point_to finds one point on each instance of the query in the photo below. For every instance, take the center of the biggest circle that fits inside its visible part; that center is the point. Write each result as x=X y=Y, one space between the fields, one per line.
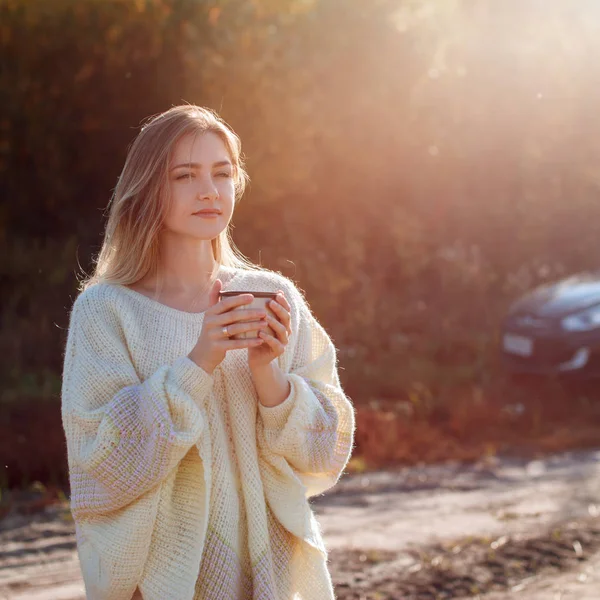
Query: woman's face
x=200 y=179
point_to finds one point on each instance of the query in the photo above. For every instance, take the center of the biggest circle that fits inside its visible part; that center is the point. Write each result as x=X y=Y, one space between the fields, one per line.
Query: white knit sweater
x=182 y=483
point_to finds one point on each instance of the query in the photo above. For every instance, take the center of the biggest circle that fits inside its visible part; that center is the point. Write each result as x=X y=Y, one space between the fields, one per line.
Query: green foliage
x=77 y=79
x=415 y=165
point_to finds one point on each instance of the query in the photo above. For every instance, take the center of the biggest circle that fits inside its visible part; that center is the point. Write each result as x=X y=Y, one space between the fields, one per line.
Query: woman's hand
x=262 y=355
x=224 y=319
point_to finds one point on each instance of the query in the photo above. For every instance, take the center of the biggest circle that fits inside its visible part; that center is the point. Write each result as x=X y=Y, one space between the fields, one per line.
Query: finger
x=281 y=312
x=274 y=343
x=240 y=314
x=283 y=301
x=239 y=344
x=231 y=303
x=213 y=296
x=279 y=329
x=244 y=327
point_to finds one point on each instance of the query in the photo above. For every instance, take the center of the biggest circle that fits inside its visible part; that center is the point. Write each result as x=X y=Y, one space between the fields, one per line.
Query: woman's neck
x=183 y=271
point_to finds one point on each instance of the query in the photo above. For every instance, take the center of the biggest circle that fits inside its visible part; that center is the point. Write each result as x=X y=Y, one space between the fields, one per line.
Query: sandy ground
x=547 y=510
x=501 y=529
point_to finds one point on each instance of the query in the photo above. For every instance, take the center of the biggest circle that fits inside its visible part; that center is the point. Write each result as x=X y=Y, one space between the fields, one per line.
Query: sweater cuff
x=275 y=417
x=190 y=376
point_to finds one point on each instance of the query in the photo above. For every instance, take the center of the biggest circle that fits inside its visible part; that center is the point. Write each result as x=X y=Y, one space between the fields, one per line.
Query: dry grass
x=532 y=417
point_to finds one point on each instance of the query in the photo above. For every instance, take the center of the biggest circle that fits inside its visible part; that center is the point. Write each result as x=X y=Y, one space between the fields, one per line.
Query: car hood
x=562 y=298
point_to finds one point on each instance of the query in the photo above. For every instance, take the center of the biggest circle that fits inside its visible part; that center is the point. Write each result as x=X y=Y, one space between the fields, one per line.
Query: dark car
x=555 y=329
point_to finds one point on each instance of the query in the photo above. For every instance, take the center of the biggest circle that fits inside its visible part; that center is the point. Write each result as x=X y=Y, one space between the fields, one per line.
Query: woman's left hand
x=272 y=346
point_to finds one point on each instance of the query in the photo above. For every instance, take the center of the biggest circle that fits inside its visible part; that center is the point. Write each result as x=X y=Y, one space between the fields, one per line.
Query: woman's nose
x=207 y=189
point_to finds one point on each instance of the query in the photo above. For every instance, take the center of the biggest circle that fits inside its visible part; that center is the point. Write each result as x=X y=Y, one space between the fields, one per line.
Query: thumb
x=213 y=296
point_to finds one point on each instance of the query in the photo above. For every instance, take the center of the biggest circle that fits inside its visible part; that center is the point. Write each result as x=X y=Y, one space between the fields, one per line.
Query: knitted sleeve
x=313 y=429
x=124 y=436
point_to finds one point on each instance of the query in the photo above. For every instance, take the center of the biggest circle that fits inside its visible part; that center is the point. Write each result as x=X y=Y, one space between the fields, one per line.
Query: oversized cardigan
x=182 y=483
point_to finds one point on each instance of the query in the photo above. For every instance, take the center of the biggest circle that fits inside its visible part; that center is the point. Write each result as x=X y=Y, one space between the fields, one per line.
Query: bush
x=415 y=165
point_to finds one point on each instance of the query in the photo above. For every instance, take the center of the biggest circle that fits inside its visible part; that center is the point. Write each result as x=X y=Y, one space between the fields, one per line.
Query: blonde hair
x=130 y=248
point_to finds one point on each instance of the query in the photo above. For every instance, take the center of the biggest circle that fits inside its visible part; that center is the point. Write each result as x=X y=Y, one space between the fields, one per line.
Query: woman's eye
x=223 y=174
x=185 y=176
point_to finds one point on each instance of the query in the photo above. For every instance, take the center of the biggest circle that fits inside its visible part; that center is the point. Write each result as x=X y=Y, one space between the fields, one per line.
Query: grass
x=473 y=422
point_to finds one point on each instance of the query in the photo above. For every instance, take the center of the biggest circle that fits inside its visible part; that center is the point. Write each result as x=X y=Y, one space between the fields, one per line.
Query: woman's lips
x=207 y=214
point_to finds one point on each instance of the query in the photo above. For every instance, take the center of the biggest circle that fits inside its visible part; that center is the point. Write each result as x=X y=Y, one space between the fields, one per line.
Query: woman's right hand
x=213 y=344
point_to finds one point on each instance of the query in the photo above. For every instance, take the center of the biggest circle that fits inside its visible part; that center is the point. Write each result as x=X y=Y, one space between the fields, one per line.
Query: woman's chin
x=193 y=234
x=207 y=231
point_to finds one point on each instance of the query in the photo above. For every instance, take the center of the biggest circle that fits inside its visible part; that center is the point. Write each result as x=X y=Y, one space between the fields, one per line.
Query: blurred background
x=416 y=167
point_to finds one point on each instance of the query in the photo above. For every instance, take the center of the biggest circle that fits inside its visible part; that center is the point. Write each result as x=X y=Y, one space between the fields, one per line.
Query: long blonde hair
x=136 y=210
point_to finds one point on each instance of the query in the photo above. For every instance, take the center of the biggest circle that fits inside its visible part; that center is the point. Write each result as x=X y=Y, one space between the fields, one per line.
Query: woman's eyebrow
x=221 y=163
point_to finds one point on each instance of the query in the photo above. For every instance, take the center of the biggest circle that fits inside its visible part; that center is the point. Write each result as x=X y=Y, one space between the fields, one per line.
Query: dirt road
x=508 y=529
x=505 y=529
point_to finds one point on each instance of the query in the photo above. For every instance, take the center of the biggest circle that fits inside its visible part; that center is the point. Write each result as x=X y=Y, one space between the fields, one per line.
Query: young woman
x=191 y=454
